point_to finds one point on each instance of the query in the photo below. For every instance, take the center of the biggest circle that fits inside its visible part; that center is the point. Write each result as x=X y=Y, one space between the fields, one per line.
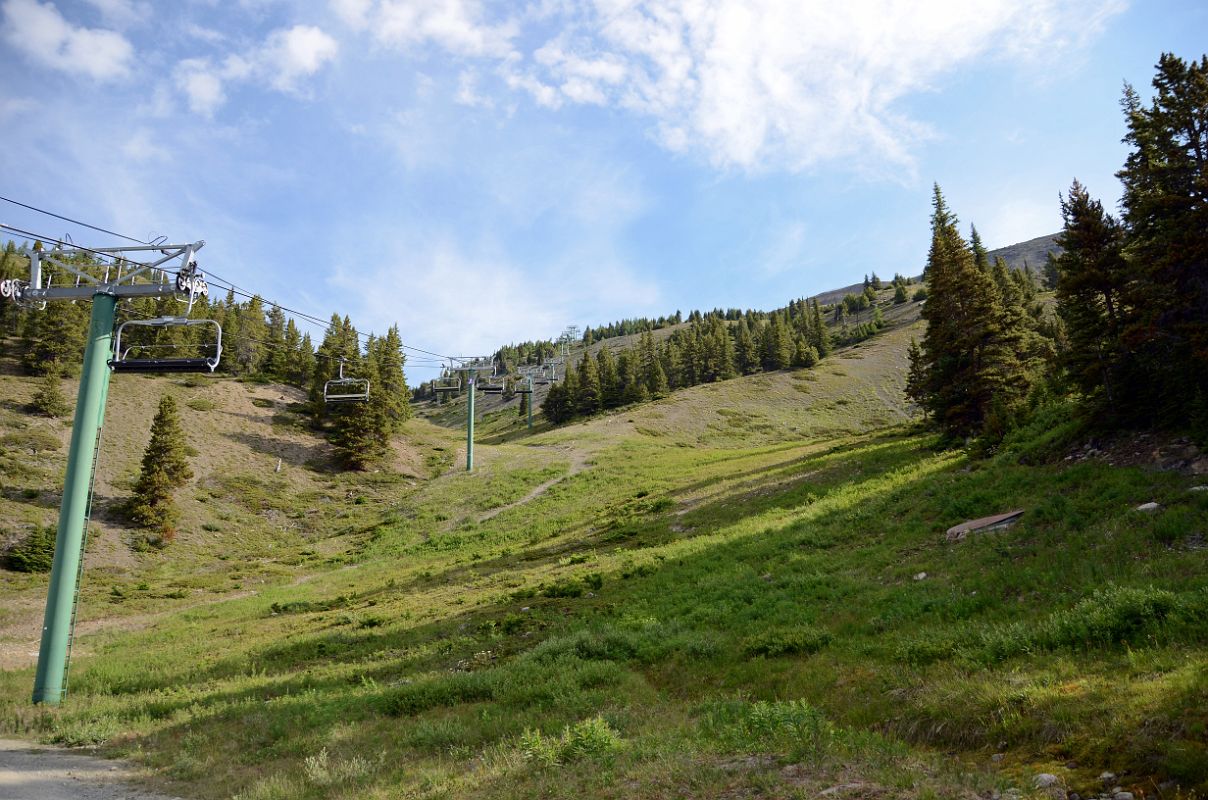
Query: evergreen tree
x=633 y=387
x=1165 y=208
x=591 y=395
x=610 y=382
x=49 y=400
x=746 y=355
x=966 y=363
x=165 y=468
x=1092 y=282
x=821 y=339
x=277 y=355
x=981 y=257
x=652 y=369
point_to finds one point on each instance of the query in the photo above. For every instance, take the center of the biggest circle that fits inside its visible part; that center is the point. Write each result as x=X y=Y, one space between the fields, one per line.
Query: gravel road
x=35 y=772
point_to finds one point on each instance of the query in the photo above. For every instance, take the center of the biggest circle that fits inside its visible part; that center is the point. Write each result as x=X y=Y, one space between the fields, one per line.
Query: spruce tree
x=746 y=355
x=610 y=387
x=1092 y=283
x=49 y=400
x=1165 y=208
x=966 y=363
x=165 y=468
x=591 y=396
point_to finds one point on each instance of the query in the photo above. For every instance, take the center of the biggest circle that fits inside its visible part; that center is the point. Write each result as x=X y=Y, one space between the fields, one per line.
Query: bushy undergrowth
x=1112 y=616
x=592 y=738
x=34 y=553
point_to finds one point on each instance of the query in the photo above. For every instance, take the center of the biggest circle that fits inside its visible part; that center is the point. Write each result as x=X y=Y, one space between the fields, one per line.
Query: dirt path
x=35 y=772
x=578 y=463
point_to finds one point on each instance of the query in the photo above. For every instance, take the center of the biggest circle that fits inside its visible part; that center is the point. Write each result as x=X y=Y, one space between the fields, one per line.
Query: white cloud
x=457 y=26
x=122 y=12
x=298 y=52
x=354 y=13
x=467 y=91
x=752 y=83
x=286 y=56
x=142 y=146
x=426 y=280
x=46 y=37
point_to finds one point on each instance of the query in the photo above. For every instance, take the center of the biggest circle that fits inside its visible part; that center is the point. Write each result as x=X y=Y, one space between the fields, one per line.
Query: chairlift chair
x=123 y=362
x=345 y=390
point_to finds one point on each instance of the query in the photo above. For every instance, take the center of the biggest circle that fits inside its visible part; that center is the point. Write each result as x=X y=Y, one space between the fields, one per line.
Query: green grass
x=713 y=595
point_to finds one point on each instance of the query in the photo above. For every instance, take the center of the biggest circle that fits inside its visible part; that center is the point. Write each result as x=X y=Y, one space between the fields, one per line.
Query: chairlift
x=346 y=390
x=123 y=361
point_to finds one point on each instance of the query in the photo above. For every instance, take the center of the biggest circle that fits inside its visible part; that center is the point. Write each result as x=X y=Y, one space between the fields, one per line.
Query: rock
x=1046 y=780
x=1107 y=778
x=922 y=576
x=983 y=525
x=1149 y=507
x=1199 y=467
x=997 y=757
x=1122 y=796
x=1198 y=489
x=524 y=608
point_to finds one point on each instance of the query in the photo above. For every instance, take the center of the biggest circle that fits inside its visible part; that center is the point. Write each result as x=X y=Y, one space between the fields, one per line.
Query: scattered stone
x=1122 y=796
x=1074 y=796
x=997 y=757
x=1199 y=467
x=1045 y=780
x=1107 y=778
x=524 y=608
x=1149 y=507
x=1198 y=489
x=842 y=787
x=922 y=576
x=766 y=577
x=984 y=525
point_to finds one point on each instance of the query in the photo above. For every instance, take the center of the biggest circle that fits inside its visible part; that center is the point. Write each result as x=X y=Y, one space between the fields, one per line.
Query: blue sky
x=488 y=172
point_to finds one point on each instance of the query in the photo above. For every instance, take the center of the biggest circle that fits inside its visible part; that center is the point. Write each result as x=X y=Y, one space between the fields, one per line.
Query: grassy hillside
x=741 y=590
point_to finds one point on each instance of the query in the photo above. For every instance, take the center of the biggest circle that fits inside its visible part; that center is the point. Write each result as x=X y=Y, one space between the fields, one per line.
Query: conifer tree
x=821 y=340
x=966 y=363
x=633 y=387
x=1092 y=282
x=746 y=355
x=610 y=387
x=590 y=399
x=49 y=400
x=652 y=369
x=165 y=468
x=1165 y=208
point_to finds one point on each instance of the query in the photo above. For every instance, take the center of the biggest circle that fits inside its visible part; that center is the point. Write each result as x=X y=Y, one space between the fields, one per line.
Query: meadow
x=741 y=590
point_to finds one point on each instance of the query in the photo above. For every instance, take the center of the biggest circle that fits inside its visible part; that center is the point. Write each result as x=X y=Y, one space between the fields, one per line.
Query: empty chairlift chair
x=139 y=358
x=346 y=390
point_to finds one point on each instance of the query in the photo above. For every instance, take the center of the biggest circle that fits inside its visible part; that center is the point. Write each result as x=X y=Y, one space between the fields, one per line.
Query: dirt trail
x=35 y=772
x=578 y=463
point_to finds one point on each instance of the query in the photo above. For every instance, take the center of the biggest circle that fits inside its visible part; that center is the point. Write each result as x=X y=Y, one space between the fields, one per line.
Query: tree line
x=1129 y=341
x=710 y=348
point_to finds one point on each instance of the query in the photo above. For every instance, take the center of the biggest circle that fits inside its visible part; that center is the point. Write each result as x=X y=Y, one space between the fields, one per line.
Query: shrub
x=49 y=399
x=590 y=738
x=34 y=553
x=784 y=642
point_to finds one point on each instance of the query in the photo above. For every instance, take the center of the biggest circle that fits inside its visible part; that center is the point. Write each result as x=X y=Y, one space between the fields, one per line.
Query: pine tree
x=633 y=387
x=165 y=468
x=981 y=257
x=1165 y=208
x=821 y=340
x=746 y=355
x=652 y=369
x=49 y=400
x=591 y=395
x=966 y=363
x=1092 y=282
x=610 y=386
